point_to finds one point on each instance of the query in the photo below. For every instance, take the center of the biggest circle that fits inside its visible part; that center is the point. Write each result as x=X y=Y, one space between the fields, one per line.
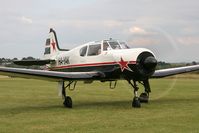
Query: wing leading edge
x=173 y=71
x=49 y=75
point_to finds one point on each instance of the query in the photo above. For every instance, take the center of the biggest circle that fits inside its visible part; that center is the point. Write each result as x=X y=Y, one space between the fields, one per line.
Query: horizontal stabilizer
x=33 y=62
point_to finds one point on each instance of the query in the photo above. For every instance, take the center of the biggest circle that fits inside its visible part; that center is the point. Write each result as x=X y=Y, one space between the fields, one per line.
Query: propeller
x=150 y=63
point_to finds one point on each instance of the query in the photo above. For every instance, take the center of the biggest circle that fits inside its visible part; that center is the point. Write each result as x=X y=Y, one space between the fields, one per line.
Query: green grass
x=33 y=106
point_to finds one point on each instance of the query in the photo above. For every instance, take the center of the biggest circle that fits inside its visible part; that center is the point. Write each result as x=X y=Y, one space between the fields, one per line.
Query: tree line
x=7 y=62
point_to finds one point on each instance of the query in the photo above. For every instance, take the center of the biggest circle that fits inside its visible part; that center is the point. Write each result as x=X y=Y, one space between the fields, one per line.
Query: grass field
x=33 y=106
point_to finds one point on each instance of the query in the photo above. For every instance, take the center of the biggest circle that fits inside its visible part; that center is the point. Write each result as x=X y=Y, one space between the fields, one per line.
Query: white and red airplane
x=106 y=60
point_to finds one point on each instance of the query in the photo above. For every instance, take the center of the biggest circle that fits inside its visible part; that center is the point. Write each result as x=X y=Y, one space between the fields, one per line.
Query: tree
x=14 y=59
x=194 y=63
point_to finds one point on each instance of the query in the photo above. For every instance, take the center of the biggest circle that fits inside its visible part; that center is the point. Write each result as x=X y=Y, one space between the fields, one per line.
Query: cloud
x=112 y=23
x=143 y=42
x=137 y=30
x=188 y=40
x=144 y=22
x=141 y=31
x=85 y=24
x=26 y=20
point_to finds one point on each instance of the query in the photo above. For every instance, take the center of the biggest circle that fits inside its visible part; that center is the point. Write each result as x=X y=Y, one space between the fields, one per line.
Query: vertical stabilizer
x=51 y=46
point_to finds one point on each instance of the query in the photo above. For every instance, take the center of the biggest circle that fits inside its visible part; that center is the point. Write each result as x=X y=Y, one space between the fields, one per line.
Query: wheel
x=144 y=98
x=136 y=102
x=68 y=102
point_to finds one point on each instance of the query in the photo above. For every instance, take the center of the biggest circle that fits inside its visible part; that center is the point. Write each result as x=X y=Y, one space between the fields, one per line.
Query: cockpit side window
x=94 y=50
x=83 y=51
x=106 y=46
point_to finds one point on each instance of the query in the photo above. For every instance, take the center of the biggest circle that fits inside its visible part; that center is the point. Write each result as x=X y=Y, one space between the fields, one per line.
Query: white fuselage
x=73 y=58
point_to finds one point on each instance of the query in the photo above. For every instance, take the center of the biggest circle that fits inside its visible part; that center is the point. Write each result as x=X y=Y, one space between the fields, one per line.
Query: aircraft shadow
x=77 y=106
x=103 y=104
x=27 y=109
x=176 y=100
x=93 y=105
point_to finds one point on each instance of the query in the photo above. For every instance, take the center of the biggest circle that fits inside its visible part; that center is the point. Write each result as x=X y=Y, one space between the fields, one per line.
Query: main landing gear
x=144 y=97
x=67 y=100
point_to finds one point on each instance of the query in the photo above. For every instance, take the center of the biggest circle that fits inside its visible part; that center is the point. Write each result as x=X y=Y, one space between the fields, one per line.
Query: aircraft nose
x=150 y=63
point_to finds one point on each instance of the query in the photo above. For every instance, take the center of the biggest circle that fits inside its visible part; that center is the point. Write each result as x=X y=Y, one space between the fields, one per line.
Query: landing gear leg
x=144 y=97
x=67 y=100
x=136 y=100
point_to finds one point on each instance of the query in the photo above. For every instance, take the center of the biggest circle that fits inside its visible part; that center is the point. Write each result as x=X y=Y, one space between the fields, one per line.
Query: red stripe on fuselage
x=90 y=64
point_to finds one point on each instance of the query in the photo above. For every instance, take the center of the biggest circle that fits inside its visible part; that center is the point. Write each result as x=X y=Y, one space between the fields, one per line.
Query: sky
x=170 y=28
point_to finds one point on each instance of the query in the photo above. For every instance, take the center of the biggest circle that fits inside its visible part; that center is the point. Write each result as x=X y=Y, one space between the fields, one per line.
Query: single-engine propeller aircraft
x=106 y=60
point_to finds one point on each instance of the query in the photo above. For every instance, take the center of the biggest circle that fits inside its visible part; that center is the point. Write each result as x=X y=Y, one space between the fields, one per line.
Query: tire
x=136 y=102
x=144 y=98
x=68 y=102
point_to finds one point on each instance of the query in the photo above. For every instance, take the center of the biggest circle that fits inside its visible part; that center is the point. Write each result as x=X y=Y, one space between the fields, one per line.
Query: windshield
x=124 y=45
x=114 y=45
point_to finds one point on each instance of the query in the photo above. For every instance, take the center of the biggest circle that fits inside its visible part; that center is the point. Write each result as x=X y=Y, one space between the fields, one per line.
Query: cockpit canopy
x=95 y=48
x=113 y=45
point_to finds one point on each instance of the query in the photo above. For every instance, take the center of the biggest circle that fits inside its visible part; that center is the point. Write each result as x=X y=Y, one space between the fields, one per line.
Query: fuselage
x=113 y=58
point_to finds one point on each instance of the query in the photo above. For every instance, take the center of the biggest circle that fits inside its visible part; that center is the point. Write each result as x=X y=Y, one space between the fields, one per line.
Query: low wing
x=174 y=71
x=33 y=62
x=49 y=75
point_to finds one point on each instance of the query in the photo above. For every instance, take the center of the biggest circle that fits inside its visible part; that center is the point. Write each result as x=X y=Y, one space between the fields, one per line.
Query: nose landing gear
x=136 y=100
x=144 y=97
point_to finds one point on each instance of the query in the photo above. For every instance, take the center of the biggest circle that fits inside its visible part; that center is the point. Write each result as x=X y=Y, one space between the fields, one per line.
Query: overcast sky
x=170 y=28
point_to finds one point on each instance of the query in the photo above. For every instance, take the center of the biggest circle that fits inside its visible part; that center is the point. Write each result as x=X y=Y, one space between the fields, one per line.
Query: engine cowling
x=146 y=64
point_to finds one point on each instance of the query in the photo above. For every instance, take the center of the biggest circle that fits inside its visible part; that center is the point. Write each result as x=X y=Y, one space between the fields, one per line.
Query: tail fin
x=52 y=46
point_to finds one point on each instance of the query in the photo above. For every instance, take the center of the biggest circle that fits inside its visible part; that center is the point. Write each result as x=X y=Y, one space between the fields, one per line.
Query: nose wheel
x=136 y=102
